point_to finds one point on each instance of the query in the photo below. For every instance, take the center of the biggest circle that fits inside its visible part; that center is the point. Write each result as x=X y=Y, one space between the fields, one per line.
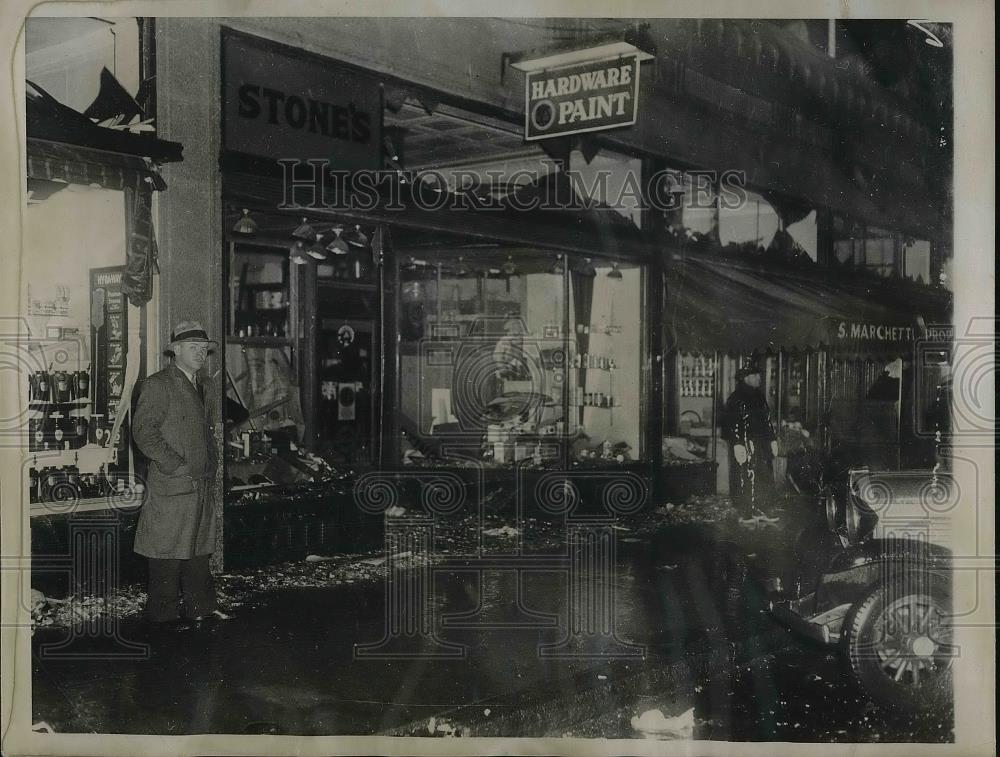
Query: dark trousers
x=170 y=578
x=756 y=495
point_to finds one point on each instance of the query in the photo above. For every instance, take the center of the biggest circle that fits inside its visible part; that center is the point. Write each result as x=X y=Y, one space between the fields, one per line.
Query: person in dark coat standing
x=747 y=427
x=173 y=426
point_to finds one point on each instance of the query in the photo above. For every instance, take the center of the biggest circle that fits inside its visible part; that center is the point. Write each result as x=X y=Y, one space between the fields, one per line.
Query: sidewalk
x=286 y=663
x=454 y=537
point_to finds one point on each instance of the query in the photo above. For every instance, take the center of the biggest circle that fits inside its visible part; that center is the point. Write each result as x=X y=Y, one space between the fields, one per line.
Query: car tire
x=897 y=641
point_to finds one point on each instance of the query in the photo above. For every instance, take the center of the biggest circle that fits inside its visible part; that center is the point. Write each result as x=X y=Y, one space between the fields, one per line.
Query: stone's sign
x=280 y=103
x=295 y=112
x=581 y=97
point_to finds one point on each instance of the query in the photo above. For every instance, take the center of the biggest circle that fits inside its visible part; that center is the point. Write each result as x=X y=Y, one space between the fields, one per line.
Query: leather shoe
x=212 y=616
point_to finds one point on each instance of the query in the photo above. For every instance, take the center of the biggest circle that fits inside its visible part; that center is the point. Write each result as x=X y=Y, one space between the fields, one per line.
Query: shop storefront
x=418 y=331
x=87 y=283
x=89 y=295
x=837 y=359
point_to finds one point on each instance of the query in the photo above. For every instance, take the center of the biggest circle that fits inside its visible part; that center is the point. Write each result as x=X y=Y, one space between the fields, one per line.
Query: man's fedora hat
x=188 y=331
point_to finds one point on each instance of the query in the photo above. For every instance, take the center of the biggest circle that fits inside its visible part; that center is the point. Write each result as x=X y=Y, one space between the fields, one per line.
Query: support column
x=189 y=212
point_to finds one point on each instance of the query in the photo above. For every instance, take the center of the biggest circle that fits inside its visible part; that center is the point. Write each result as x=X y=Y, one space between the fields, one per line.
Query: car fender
x=852 y=572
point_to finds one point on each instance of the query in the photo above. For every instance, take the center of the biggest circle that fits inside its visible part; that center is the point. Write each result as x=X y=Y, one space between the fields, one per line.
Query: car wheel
x=898 y=642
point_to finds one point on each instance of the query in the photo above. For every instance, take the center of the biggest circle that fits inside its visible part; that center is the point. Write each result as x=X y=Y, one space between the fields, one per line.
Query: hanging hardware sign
x=583 y=97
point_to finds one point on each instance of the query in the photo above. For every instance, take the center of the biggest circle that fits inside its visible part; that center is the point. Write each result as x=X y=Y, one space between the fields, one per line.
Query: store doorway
x=346 y=343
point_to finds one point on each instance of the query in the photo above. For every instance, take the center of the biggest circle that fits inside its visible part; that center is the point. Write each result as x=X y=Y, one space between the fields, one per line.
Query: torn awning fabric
x=140 y=243
x=136 y=177
x=719 y=306
x=66 y=146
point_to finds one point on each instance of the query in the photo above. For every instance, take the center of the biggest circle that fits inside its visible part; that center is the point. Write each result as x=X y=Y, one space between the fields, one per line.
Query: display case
x=301 y=349
x=260 y=298
x=518 y=357
x=692 y=440
x=263 y=413
x=78 y=453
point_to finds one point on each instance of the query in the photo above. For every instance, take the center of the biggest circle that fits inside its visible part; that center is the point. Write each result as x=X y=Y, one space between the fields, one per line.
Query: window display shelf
x=78 y=402
x=71 y=508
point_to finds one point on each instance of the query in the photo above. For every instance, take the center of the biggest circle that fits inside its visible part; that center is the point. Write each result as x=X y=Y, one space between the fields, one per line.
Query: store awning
x=74 y=164
x=722 y=306
x=48 y=120
x=67 y=147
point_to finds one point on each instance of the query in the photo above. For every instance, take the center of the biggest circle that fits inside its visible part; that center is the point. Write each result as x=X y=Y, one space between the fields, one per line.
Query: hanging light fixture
x=245 y=224
x=305 y=231
x=297 y=253
x=508 y=268
x=557 y=267
x=416 y=264
x=338 y=246
x=461 y=269
x=315 y=250
x=615 y=273
x=356 y=237
x=587 y=269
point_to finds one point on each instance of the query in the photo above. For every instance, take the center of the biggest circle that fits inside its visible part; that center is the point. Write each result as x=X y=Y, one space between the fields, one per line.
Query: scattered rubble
x=451 y=536
x=653 y=724
x=443 y=727
x=507 y=531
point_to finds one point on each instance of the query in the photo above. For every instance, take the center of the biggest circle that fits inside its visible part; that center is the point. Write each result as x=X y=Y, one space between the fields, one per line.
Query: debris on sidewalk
x=653 y=724
x=453 y=535
x=508 y=531
x=707 y=508
x=443 y=727
x=49 y=612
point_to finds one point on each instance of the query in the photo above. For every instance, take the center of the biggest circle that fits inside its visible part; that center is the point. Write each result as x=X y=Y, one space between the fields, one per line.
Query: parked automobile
x=874 y=581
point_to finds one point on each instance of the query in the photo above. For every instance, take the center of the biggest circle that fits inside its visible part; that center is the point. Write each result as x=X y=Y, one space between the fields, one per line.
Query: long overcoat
x=173 y=427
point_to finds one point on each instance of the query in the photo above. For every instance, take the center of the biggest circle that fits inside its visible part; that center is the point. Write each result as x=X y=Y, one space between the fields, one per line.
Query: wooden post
x=389 y=390
x=654 y=385
x=309 y=376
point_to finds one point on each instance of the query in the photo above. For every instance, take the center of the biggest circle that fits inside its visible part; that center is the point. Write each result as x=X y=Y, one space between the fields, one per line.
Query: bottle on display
x=81 y=381
x=43 y=386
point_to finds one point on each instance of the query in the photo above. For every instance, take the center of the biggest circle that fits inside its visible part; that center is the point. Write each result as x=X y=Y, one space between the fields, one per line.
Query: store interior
x=514 y=356
x=507 y=355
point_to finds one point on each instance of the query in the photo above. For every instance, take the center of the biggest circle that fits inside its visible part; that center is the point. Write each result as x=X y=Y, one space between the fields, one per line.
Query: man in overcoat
x=173 y=427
